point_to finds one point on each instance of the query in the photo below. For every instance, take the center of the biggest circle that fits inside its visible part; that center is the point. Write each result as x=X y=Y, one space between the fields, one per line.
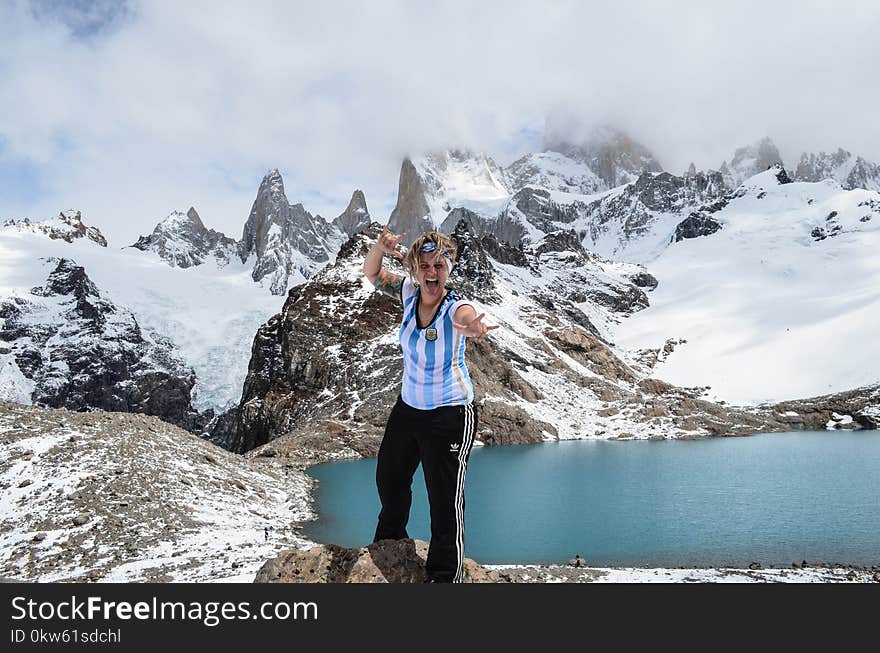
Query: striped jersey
x=434 y=371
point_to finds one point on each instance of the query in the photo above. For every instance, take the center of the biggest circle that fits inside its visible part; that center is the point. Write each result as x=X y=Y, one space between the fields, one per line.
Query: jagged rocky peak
x=356 y=217
x=183 y=241
x=433 y=185
x=68 y=226
x=750 y=160
x=288 y=242
x=411 y=216
x=612 y=154
x=848 y=170
x=270 y=208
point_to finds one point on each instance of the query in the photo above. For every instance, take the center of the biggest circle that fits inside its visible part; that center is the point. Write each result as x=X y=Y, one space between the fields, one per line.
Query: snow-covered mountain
x=181 y=303
x=182 y=240
x=846 y=169
x=584 y=261
x=68 y=226
x=609 y=190
x=66 y=346
x=553 y=171
x=325 y=368
x=781 y=300
x=283 y=242
x=207 y=312
x=609 y=153
x=433 y=185
x=748 y=161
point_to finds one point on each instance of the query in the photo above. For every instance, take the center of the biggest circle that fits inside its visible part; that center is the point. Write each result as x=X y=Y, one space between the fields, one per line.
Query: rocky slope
x=106 y=496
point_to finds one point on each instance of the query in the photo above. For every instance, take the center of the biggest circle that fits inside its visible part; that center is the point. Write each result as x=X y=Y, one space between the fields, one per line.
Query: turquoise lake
x=770 y=498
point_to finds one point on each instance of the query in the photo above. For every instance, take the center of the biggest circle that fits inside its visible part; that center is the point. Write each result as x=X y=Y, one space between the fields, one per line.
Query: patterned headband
x=429 y=247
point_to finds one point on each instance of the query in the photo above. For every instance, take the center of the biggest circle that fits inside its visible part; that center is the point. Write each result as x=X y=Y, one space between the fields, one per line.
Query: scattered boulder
x=386 y=561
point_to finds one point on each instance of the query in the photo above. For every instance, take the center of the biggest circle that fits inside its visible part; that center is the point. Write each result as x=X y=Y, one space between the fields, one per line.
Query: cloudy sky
x=128 y=109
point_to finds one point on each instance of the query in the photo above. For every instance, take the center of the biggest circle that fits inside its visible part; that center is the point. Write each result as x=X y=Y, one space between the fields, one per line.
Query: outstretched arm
x=383 y=280
x=469 y=323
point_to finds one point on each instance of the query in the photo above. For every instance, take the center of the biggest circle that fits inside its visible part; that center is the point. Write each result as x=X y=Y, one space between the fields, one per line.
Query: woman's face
x=432 y=274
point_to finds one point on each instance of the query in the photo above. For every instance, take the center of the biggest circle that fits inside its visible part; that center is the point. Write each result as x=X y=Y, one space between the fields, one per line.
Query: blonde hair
x=443 y=243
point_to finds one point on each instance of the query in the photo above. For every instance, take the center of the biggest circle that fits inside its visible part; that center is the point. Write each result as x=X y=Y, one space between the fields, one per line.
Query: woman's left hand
x=474 y=328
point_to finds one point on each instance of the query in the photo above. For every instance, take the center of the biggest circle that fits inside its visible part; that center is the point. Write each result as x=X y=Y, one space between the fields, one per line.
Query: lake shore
x=570 y=574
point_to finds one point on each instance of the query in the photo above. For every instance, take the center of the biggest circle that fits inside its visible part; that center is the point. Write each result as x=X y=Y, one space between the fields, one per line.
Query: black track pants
x=441 y=439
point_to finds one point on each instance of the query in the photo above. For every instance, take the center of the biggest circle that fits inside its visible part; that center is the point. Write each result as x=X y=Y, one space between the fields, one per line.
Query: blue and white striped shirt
x=434 y=371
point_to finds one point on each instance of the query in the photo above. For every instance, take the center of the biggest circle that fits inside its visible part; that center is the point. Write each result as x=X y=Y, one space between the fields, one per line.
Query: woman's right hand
x=388 y=243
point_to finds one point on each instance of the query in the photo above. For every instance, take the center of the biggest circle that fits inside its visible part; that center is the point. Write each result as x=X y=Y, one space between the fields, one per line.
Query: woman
x=434 y=419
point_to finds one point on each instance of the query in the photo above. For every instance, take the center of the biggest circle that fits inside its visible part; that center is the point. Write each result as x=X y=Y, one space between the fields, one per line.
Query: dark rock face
x=183 y=241
x=280 y=235
x=220 y=429
x=411 y=216
x=782 y=176
x=502 y=252
x=542 y=212
x=83 y=352
x=644 y=280
x=472 y=274
x=356 y=217
x=561 y=241
x=306 y=351
x=694 y=226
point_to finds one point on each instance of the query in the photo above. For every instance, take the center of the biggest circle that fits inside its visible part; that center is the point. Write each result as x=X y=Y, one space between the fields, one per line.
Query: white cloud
x=190 y=103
